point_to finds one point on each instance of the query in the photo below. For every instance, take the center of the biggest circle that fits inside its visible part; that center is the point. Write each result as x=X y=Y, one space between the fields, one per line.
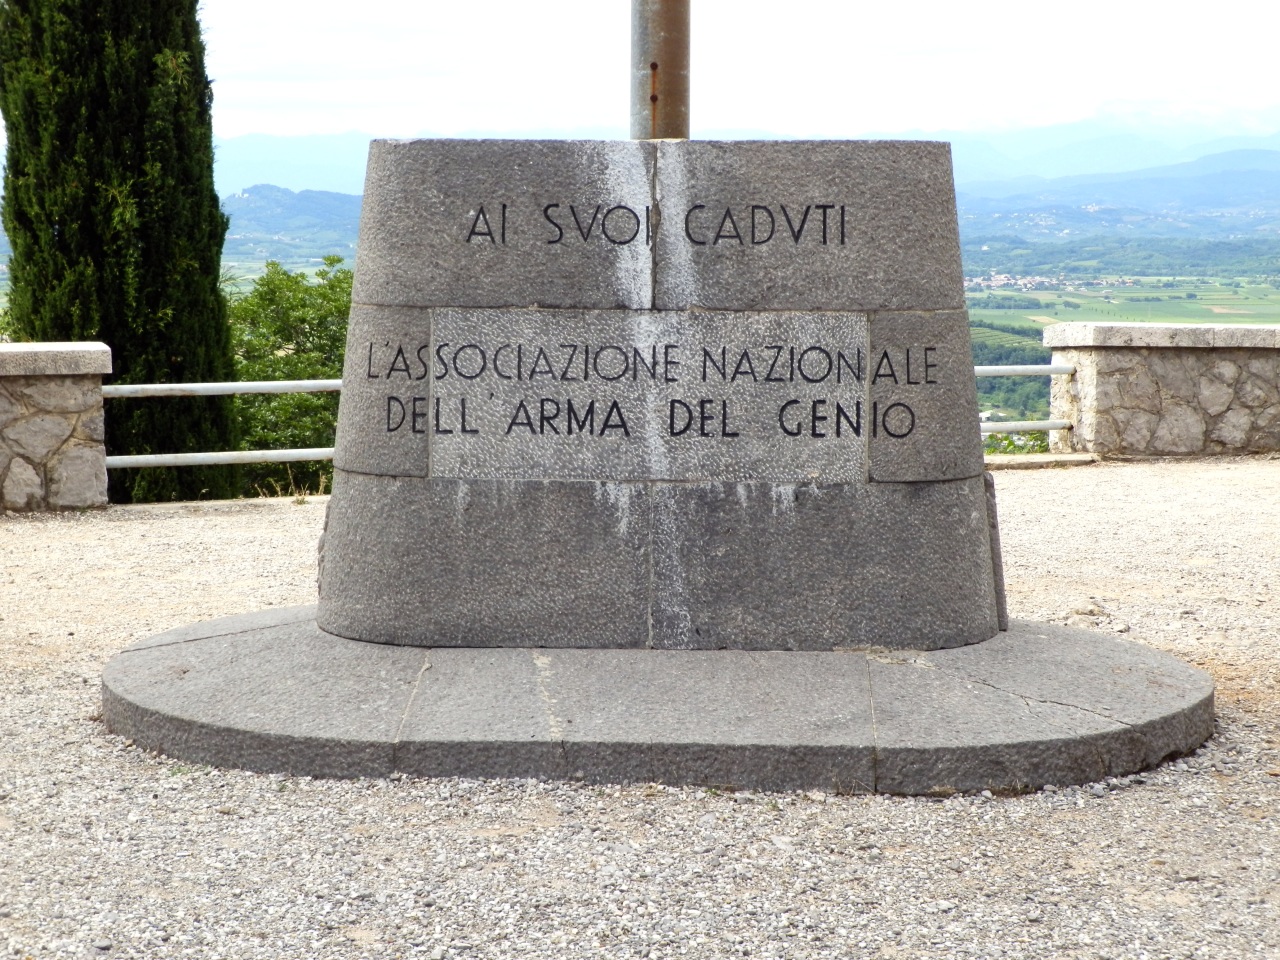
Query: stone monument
x=664 y=394
x=659 y=460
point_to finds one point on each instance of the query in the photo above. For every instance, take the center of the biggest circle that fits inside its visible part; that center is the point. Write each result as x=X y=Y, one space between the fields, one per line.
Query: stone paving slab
x=1038 y=704
x=1038 y=461
x=283 y=696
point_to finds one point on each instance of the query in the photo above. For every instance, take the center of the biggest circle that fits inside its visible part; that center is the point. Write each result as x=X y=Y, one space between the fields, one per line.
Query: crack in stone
x=221 y=636
x=1087 y=740
x=1055 y=703
x=657 y=223
x=653 y=589
x=413 y=695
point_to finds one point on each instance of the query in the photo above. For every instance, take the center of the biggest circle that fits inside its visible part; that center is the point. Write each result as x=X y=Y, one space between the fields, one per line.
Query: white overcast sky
x=820 y=68
x=787 y=68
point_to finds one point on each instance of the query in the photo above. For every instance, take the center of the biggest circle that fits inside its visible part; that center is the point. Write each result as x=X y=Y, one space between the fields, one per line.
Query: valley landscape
x=1048 y=235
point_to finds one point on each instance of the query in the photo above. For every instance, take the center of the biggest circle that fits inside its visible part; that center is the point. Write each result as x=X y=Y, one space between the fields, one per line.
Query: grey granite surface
x=432 y=227
x=798 y=225
x=486 y=562
x=807 y=225
x=444 y=562
x=385 y=415
x=1038 y=704
x=922 y=398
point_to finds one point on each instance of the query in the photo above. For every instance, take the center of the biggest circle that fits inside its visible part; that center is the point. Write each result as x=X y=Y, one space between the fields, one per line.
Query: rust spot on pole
x=659 y=69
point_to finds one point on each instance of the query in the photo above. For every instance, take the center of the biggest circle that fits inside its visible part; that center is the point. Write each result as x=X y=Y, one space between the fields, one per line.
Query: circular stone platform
x=1038 y=704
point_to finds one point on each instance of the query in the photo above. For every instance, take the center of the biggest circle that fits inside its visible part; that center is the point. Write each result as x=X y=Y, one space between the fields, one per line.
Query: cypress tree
x=113 y=219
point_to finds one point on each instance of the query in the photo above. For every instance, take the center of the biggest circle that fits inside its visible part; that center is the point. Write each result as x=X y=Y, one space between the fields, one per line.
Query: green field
x=1001 y=338
x=238 y=275
x=1012 y=335
x=1145 y=300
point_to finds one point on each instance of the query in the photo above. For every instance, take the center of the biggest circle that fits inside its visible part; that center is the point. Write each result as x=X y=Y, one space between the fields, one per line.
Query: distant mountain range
x=336 y=162
x=1235 y=194
x=1229 y=195
x=272 y=223
x=325 y=162
x=1084 y=148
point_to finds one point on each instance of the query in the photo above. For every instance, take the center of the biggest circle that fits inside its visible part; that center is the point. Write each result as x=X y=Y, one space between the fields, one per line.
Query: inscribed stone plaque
x=670 y=225
x=495 y=223
x=833 y=225
x=612 y=395
x=658 y=395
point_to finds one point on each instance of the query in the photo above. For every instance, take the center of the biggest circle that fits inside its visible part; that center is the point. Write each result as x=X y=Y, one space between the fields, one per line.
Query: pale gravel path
x=106 y=851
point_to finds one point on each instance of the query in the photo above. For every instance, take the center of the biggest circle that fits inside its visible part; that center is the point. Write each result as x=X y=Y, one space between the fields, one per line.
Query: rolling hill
x=1231 y=195
x=272 y=223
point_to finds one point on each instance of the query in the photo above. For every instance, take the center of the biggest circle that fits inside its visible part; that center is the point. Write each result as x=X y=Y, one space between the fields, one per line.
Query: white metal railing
x=119 y=391
x=220 y=389
x=217 y=459
x=221 y=458
x=1024 y=370
x=1023 y=426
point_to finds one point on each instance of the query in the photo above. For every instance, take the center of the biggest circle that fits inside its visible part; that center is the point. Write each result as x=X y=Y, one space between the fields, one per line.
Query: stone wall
x=52 y=455
x=1166 y=389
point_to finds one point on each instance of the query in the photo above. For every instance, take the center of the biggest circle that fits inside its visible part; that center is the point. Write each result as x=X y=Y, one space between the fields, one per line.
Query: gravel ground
x=107 y=851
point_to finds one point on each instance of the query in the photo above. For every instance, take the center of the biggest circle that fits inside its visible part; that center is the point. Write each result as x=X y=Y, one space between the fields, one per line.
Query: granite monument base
x=439 y=562
x=1037 y=704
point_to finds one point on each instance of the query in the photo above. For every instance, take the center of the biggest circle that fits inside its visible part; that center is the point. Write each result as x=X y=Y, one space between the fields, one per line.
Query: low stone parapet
x=52 y=455
x=1166 y=389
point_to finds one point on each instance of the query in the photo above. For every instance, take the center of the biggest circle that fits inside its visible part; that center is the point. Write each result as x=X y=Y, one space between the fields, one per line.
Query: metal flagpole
x=659 y=69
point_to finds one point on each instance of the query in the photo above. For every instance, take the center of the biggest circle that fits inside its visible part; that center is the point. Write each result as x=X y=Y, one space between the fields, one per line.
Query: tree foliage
x=1026 y=398
x=1036 y=441
x=290 y=327
x=1006 y=301
x=110 y=208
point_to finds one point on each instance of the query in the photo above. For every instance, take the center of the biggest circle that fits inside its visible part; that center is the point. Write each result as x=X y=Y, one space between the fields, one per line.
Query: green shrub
x=1034 y=442
x=290 y=326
